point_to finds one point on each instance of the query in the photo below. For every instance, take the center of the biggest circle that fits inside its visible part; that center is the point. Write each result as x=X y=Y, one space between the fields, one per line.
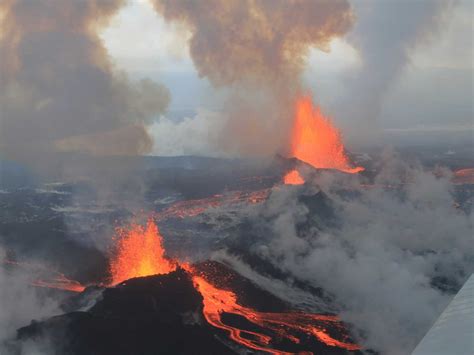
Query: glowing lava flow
x=316 y=141
x=193 y=208
x=139 y=253
x=293 y=177
x=57 y=280
x=218 y=301
x=60 y=282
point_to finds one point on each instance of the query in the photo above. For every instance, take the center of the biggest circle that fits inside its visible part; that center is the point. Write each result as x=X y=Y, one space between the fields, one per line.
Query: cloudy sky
x=433 y=92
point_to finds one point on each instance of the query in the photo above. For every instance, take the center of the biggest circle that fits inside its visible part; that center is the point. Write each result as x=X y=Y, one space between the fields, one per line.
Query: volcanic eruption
x=140 y=253
x=316 y=141
x=218 y=302
x=209 y=252
x=293 y=177
x=136 y=264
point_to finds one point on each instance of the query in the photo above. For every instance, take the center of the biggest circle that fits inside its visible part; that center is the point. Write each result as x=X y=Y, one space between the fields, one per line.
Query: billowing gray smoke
x=259 y=49
x=391 y=253
x=386 y=34
x=59 y=93
x=256 y=40
x=259 y=52
x=58 y=89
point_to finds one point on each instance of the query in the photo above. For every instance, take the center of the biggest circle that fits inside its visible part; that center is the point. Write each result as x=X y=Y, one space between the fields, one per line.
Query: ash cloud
x=264 y=41
x=256 y=49
x=59 y=90
x=64 y=108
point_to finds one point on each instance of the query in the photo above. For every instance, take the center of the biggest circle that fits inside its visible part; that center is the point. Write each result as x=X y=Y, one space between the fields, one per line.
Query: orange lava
x=464 y=176
x=293 y=177
x=51 y=278
x=316 y=141
x=218 y=301
x=139 y=253
x=193 y=208
x=60 y=283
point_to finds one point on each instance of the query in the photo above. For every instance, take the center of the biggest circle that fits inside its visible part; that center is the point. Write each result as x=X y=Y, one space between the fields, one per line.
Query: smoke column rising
x=258 y=49
x=20 y=303
x=386 y=34
x=65 y=109
x=58 y=88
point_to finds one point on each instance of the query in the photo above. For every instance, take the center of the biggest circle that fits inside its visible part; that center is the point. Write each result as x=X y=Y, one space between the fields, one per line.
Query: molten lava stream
x=58 y=280
x=60 y=283
x=139 y=253
x=218 y=301
x=316 y=141
x=193 y=208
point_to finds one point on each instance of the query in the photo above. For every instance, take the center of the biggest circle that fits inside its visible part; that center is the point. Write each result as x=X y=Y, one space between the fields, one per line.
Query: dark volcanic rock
x=254 y=297
x=151 y=315
x=248 y=293
x=163 y=314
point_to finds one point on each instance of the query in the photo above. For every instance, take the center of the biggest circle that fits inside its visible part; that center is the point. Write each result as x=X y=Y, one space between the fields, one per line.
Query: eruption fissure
x=316 y=141
x=140 y=253
x=293 y=177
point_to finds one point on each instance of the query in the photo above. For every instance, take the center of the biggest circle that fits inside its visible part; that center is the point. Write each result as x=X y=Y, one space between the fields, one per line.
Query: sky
x=432 y=93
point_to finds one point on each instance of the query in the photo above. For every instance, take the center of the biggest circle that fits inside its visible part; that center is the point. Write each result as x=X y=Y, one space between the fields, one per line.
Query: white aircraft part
x=453 y=332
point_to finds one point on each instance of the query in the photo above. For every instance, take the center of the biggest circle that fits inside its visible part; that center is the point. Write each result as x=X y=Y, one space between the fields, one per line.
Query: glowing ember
x=218 y=301
x=293 y=177
x=316 y=141
x=139 y=253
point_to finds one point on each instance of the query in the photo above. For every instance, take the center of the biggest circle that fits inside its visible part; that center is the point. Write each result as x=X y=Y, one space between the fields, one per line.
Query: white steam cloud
x=20 y=303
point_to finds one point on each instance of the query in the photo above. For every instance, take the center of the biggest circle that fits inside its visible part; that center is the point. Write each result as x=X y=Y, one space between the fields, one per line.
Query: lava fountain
x=139 y=253
x=316 y=141
x=293 y=177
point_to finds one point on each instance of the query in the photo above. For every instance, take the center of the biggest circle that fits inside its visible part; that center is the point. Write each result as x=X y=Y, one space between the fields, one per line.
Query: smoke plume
x=58 y=87
x=391 y=255
x=386 y=34
x=264 y=41
x=259 y=49
x=20 y=303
